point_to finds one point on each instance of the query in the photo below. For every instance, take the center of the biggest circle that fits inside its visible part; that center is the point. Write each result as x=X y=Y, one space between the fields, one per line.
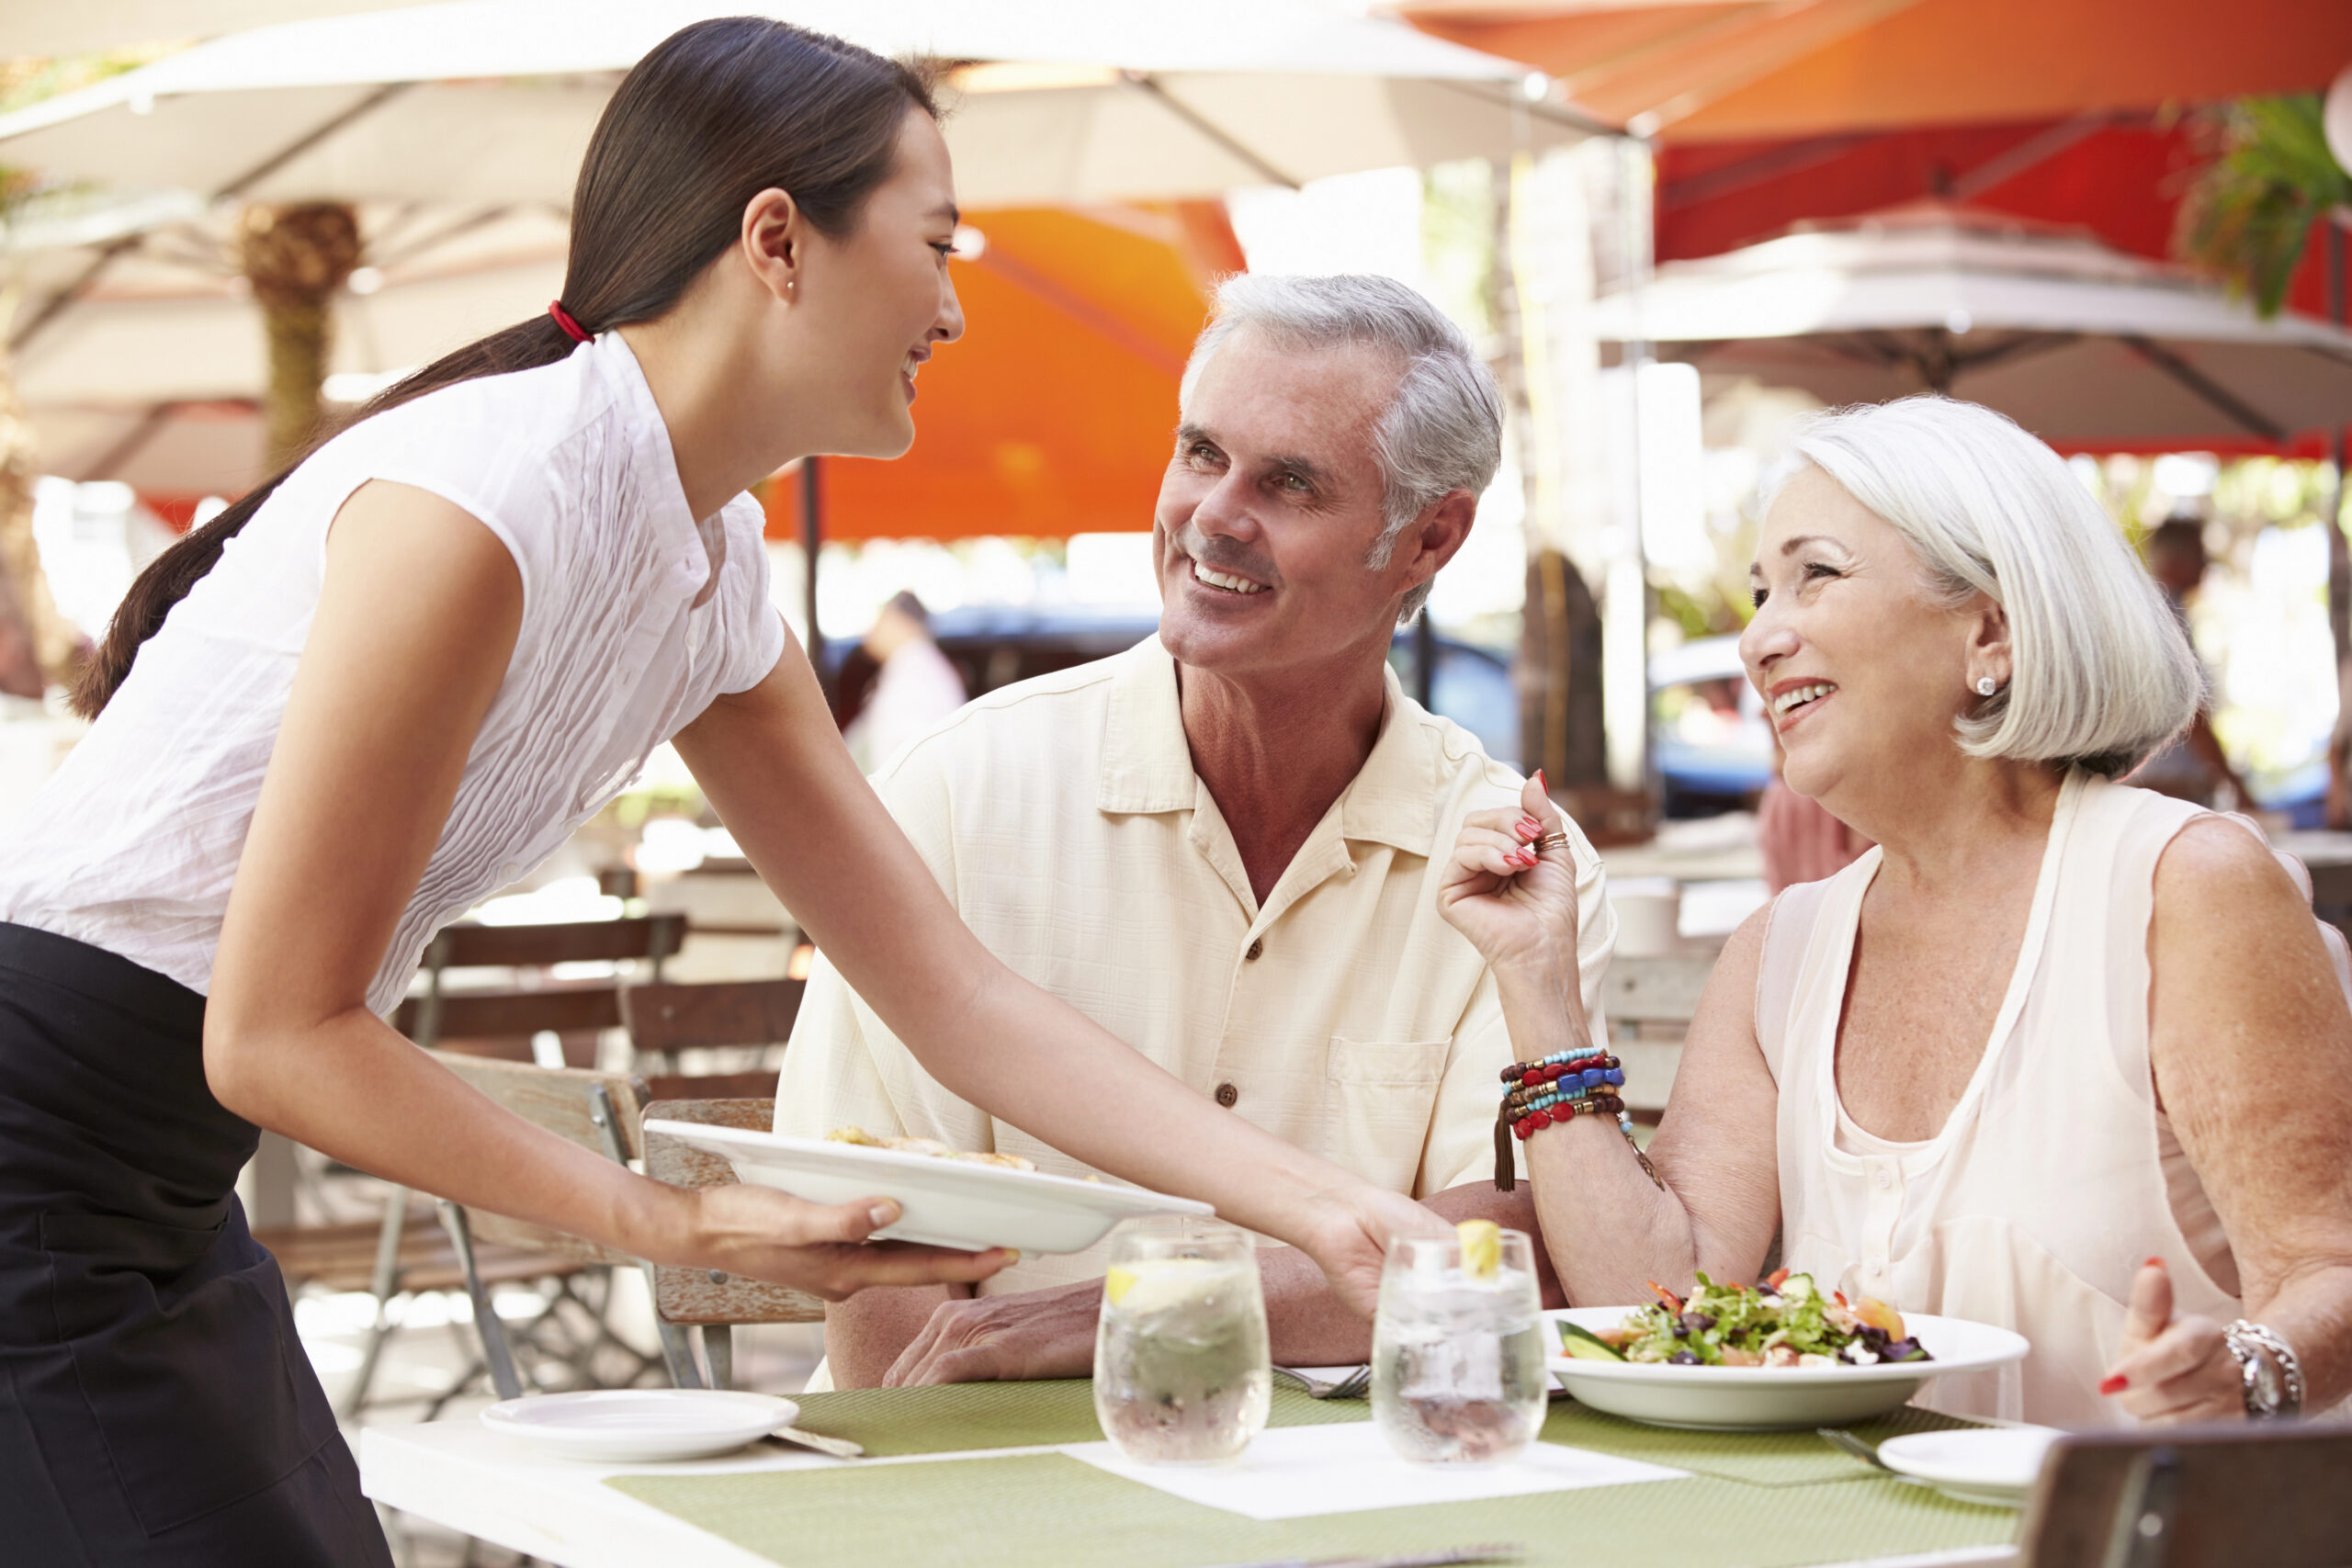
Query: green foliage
x=2250 y=213
x=30 y=79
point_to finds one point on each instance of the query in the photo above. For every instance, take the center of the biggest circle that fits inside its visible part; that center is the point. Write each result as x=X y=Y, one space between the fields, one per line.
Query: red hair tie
x=571 y=329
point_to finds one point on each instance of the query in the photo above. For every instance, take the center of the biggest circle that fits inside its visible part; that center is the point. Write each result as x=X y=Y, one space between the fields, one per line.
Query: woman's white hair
x=1444 y=430
x=2103 y=675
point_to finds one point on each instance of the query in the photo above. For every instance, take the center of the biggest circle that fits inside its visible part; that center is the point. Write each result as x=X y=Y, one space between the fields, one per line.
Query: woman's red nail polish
x=1540 y=784
x=2156 y=1262
x=2114 y=1385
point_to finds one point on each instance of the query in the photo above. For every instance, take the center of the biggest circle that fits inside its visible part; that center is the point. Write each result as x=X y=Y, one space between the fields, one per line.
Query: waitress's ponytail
x=718 y=112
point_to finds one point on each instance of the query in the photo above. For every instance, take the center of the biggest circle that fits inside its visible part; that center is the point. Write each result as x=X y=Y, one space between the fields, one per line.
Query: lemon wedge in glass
x=1482 y=1249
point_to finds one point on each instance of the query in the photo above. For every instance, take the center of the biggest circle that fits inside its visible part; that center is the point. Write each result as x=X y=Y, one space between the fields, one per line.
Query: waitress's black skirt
x=155 y=1406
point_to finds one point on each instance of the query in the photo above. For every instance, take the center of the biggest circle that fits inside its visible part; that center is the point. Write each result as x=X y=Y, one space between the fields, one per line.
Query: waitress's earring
x=1987 y=686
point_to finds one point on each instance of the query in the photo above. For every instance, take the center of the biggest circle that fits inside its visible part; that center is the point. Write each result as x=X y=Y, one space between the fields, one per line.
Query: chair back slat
x=489 y=1015
x=728 y=1012
x=702 y=1295
x=2224 y=1495
x=759 y=1084
x=563 y=1100
x=466 y=945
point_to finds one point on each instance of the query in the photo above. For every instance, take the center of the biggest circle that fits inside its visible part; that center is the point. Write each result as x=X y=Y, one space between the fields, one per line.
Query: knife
x=1505 y=1553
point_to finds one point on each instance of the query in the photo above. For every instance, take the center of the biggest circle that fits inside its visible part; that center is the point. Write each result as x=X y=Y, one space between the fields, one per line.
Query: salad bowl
x=1727 y=1399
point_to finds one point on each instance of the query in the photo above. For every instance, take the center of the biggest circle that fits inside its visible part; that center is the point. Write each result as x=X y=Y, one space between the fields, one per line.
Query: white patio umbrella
x=154 y=378
x=2078 y=343
x=1068 y=101
x=88 y=26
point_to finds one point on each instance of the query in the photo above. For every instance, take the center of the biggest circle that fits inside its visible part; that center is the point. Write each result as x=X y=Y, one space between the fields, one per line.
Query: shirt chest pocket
x=1379 y=1096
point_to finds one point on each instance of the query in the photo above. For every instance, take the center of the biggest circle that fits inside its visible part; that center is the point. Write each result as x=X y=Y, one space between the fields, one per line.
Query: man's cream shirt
x=1063 y=817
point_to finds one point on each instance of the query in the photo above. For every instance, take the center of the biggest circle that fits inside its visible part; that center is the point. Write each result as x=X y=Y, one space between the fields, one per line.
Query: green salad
x=1784 y=1322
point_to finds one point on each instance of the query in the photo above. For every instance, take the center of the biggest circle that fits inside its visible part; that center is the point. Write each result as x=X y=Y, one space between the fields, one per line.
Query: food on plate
x=1786 y=1322
x=931 y=1147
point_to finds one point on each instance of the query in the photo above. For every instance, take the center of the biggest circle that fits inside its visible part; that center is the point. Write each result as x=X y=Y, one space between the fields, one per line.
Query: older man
x=1224 y=844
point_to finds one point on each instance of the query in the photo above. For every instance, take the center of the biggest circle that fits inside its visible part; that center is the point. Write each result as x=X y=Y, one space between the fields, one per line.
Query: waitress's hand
x=2173 y=1370
x=763 y=1234
x=1348 y=1231
x=1518 y=908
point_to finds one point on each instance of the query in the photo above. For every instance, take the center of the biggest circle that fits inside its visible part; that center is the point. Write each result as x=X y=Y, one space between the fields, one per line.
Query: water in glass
x=1457 y=1353
x=1181 y=1374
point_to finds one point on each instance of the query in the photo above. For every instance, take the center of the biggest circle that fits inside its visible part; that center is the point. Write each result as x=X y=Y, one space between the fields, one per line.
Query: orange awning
x=1054 y=414
x=1707 y=70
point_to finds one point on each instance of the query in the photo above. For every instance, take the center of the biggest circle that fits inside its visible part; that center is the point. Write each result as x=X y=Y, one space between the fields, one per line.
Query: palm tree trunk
x=297 y=256
x=39 y=647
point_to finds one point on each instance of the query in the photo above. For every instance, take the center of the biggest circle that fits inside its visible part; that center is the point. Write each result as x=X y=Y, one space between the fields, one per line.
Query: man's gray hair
x=1443 y=432
x=2103 y=675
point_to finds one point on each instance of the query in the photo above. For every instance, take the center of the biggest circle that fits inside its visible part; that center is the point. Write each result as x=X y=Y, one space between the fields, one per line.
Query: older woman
x=2059 y=1054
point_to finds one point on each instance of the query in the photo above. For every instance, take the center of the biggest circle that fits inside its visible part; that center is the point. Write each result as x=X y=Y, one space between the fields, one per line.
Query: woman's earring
x=1987 y=686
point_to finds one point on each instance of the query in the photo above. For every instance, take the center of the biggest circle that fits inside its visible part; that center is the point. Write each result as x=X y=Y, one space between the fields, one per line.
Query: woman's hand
x=1516 y=906
x=2173 y=1370
x=767 y=1235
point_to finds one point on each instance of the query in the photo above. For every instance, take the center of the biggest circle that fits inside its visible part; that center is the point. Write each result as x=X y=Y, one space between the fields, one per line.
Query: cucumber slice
x=1583 y=1345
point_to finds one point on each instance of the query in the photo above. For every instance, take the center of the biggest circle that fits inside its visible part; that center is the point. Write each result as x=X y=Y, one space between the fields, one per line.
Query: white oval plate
x=1767 y=1398
x=946 y=1203
x=1976 y=1465
x=637 y=1425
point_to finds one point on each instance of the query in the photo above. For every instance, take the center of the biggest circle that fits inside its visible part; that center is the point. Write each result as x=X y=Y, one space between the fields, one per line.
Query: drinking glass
x=1181 y=1374
x=1457 y=1356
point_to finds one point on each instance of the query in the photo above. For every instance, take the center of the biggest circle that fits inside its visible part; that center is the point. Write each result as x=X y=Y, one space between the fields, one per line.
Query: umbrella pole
x=812 y=535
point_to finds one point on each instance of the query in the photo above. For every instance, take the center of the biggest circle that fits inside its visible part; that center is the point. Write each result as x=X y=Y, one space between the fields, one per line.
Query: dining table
x=1016 y=1476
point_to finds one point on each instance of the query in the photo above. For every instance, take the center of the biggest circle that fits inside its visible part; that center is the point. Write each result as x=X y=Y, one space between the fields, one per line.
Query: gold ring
x=1550 y=841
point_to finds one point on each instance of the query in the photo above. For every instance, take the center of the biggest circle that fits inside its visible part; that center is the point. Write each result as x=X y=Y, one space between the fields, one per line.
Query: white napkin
x=1295 y=1471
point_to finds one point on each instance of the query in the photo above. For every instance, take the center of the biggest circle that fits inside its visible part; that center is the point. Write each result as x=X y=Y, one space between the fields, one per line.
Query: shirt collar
x=1394 y=799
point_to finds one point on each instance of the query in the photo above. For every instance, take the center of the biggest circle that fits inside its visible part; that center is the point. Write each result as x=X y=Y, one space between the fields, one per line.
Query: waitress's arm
x=771 y=762
x=415 y=627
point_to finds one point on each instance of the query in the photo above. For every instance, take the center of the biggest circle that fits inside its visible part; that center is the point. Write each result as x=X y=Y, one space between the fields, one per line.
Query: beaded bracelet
x=1554 y=1090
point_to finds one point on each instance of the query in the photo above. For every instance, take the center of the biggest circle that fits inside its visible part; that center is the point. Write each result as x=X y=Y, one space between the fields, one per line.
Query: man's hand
x=1032 y=1334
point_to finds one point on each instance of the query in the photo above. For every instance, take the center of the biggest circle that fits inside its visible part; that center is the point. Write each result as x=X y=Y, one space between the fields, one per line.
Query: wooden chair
x=1649 y=1002
x=413 y=1257
x=709 y=1300
x=2193 y=1498
x=599 y=1111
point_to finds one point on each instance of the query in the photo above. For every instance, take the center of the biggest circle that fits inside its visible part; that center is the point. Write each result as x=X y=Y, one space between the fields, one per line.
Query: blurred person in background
x=915 y=687
x=1223 y=846
x=2193 y=766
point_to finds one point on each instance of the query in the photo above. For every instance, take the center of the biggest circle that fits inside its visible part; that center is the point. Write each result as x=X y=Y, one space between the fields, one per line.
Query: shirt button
x=1882 y=1179
x=510 y=871
x=1226 y=1094
x=1257 y=950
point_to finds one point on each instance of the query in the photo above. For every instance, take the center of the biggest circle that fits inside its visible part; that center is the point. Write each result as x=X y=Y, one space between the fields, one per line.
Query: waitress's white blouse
x=133 y=844
x=2055 y=1176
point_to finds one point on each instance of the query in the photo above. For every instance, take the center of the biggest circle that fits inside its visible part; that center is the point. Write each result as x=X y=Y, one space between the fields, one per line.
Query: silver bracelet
x=2272 y=1377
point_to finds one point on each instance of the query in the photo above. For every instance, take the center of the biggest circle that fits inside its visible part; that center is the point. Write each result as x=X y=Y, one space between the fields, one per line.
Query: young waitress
x=398 y=676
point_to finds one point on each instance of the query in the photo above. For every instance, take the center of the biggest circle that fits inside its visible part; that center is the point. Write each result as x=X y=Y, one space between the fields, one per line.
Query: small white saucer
x=637 y=1425
x=1995 y=1465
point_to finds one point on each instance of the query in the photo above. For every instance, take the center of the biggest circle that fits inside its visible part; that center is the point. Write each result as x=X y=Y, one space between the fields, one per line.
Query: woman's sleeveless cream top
x=2056 y=1176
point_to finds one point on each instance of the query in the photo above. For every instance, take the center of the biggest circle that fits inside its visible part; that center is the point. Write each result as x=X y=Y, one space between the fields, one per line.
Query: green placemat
x=959 y=1417
x=1051 y=1511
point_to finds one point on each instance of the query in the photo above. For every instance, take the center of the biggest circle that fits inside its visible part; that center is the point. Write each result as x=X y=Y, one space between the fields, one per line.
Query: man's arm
x=864 y=1334
x=1050 y=1333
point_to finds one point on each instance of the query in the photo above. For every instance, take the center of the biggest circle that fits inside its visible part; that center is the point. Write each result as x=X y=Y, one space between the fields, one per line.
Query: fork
x=1350 y=1387
x=1848 y=1443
